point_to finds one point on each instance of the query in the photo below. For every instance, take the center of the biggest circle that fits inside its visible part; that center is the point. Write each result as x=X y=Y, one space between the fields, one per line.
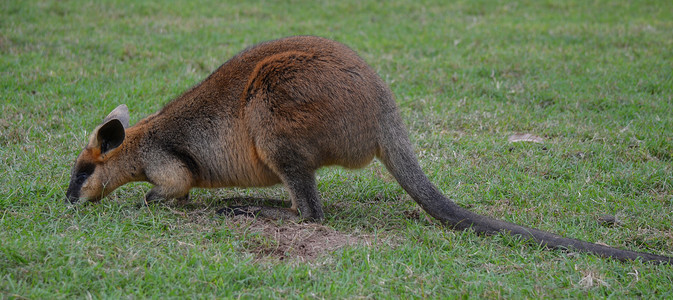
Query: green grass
x=593 y=78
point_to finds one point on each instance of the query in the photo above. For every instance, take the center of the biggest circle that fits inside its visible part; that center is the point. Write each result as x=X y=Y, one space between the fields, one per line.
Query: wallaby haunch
x=275 y=113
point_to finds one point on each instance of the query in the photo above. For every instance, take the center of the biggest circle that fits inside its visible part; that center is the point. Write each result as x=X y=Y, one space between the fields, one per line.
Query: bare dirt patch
x=277 y=240
x=293 y=241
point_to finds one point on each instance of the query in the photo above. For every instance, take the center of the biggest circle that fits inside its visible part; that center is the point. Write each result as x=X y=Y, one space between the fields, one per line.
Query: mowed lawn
x=592 y=81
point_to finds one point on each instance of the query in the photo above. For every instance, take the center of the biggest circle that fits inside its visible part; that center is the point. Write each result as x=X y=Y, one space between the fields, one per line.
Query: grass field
x=593 y=79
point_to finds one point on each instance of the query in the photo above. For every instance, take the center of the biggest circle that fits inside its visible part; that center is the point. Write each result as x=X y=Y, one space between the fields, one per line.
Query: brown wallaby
x=275 y=113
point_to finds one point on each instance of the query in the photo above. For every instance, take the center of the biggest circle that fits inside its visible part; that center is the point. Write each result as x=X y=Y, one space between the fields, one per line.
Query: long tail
x=397 y=155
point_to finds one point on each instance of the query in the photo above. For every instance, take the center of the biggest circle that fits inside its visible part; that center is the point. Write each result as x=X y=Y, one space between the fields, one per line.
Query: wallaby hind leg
x=304 y=193
x=294 y=168
x=297 y=174
x=306 y=205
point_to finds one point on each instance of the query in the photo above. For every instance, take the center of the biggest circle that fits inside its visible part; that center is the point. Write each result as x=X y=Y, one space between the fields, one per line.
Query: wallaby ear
x=120 y=113
x=110 y=135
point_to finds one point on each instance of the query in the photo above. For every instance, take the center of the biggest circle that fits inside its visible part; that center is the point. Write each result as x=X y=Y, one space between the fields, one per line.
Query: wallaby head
x=94 y=174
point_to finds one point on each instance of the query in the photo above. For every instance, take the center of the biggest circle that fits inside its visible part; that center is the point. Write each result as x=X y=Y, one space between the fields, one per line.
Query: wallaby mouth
x=72 y=195
x=74 y=198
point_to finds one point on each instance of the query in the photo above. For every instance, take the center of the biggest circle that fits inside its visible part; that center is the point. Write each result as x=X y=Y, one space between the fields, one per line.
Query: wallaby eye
x=84 y=171
x=81 y=177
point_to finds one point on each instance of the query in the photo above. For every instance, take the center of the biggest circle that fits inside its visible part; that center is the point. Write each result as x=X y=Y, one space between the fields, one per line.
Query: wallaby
x=275 y=113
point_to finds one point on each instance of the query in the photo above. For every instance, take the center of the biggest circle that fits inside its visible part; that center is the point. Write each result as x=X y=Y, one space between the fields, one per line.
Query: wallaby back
x=275 y=113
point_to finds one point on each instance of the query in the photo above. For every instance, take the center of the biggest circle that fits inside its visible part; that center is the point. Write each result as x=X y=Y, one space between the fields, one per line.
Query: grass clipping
x=524 y=137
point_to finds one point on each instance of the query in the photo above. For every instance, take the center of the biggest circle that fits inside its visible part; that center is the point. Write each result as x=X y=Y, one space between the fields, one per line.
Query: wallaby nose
x=72 y=196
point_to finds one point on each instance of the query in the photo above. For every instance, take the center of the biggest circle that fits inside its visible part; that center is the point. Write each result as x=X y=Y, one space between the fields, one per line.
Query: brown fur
x=275 y=113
